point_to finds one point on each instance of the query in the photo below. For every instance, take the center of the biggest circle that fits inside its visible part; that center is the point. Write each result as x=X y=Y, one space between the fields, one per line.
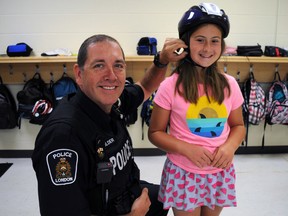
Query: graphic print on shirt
x=206 y=119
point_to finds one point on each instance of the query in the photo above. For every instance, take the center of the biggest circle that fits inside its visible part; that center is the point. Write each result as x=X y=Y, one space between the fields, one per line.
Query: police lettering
x=121 y=158
x=62 y=154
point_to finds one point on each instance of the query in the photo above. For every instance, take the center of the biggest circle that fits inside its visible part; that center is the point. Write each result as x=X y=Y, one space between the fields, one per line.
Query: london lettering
x=63 y=180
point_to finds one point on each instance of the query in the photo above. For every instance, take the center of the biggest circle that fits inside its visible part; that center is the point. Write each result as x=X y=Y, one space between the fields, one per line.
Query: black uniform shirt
x=77 y=136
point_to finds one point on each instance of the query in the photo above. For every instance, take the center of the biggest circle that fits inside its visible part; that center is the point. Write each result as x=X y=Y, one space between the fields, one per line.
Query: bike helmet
x=204 y=13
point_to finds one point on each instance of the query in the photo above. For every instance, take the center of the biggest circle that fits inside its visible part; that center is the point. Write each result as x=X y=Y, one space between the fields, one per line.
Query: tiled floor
x=262 y=185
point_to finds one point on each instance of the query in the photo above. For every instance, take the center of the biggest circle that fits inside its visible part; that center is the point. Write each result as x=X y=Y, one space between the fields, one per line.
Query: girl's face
x=205 y=45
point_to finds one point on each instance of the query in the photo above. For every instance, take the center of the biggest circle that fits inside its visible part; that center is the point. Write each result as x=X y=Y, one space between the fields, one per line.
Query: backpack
x=254 y=50
x=277 y=102
x=62 y=87
x=8 y=109
x=131 y=118
x=147 y=46
x=254 y=101
x=34 y=101
x=146 y=111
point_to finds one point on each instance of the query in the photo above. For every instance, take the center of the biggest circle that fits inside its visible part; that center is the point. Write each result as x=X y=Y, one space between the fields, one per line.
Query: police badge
x=62 y=166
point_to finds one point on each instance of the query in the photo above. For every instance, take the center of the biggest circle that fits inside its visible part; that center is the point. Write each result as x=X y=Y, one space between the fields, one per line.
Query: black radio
x=104 y=172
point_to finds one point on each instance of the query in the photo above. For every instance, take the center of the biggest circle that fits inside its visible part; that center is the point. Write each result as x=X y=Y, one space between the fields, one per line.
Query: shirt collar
x=95 y=113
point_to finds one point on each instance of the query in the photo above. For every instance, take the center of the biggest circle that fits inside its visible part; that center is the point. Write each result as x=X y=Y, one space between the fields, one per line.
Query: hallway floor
x=262 y=185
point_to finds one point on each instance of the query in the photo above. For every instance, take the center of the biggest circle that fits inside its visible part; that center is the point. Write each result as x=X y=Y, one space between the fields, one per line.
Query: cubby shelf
x=15 y=70
x=144 y=58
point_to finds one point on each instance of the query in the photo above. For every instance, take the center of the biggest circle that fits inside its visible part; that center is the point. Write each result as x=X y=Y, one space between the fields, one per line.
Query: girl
x=202 y=107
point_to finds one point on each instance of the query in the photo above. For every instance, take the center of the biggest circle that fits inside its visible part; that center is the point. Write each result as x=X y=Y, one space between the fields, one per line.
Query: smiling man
x=83 y=156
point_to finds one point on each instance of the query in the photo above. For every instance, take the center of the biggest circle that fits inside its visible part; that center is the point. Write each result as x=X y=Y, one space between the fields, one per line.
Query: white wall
x=47 y=25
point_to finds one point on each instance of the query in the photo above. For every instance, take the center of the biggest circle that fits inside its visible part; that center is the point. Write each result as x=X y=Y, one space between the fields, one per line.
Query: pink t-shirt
x=202 y=124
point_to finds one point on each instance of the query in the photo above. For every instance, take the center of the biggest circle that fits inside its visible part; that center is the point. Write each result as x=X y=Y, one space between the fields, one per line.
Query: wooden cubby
x=15 y=70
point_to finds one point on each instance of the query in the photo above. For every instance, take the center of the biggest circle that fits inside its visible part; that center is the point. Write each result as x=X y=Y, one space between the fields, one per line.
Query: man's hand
x=167 y=54
x=141 y=205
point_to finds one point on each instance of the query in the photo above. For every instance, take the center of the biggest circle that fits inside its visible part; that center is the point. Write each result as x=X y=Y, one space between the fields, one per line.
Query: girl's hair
x=215 y=82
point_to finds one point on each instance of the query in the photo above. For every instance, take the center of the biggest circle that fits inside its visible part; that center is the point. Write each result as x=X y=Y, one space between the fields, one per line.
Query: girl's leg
x=200 y=211
x=205 y=211
x=196 y=212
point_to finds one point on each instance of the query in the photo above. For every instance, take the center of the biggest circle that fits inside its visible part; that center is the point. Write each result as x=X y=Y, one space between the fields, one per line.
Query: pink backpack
x=277 y=102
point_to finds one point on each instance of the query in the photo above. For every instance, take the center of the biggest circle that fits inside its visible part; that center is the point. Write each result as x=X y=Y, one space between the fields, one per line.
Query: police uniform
x=83 y=159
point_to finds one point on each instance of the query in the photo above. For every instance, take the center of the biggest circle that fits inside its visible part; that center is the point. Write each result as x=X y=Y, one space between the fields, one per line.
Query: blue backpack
x=147 y=46
x=277 y=102
x=62 y=87
x=146 y=111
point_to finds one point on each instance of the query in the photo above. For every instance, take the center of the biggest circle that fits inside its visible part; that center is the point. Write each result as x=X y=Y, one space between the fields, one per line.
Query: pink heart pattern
x=187 y=191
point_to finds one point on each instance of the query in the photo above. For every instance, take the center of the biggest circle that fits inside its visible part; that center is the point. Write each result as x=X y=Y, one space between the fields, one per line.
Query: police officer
x=83 y=156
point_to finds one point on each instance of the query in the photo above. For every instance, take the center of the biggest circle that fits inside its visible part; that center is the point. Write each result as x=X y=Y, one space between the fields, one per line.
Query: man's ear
x=77 y=74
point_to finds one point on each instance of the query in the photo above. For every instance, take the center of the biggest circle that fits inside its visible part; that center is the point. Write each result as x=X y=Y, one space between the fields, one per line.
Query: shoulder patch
x=62 y=165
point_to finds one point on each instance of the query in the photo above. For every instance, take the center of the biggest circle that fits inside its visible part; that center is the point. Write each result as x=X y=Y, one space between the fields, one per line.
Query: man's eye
x=98 y=66
x=119 y=66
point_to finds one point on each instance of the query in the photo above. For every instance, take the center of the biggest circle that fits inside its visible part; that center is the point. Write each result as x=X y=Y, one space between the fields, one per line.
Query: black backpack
x=131 y=118
x=8 y=110
x=34 y=101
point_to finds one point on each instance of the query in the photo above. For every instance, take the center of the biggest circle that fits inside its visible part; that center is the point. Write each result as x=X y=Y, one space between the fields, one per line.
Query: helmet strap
x=190 y=61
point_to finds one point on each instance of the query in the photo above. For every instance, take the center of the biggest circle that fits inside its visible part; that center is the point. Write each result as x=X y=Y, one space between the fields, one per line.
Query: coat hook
x=25 y=77
x=225 y=68
x=10 y=69
x=276 y=68
x=238 y=76
x=251 y=68
x=37 y=68
x=64 y=69
x=51 y=76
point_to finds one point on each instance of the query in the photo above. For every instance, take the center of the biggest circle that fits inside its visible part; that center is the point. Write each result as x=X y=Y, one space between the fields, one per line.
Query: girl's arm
x=159 y=137
x=223 y=156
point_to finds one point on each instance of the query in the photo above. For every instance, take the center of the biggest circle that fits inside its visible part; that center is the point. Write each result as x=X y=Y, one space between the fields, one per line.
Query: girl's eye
x=200 y=40
x=215 y=41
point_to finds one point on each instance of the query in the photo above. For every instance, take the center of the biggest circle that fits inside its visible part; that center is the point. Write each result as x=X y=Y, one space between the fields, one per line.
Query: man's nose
x=110 y=73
